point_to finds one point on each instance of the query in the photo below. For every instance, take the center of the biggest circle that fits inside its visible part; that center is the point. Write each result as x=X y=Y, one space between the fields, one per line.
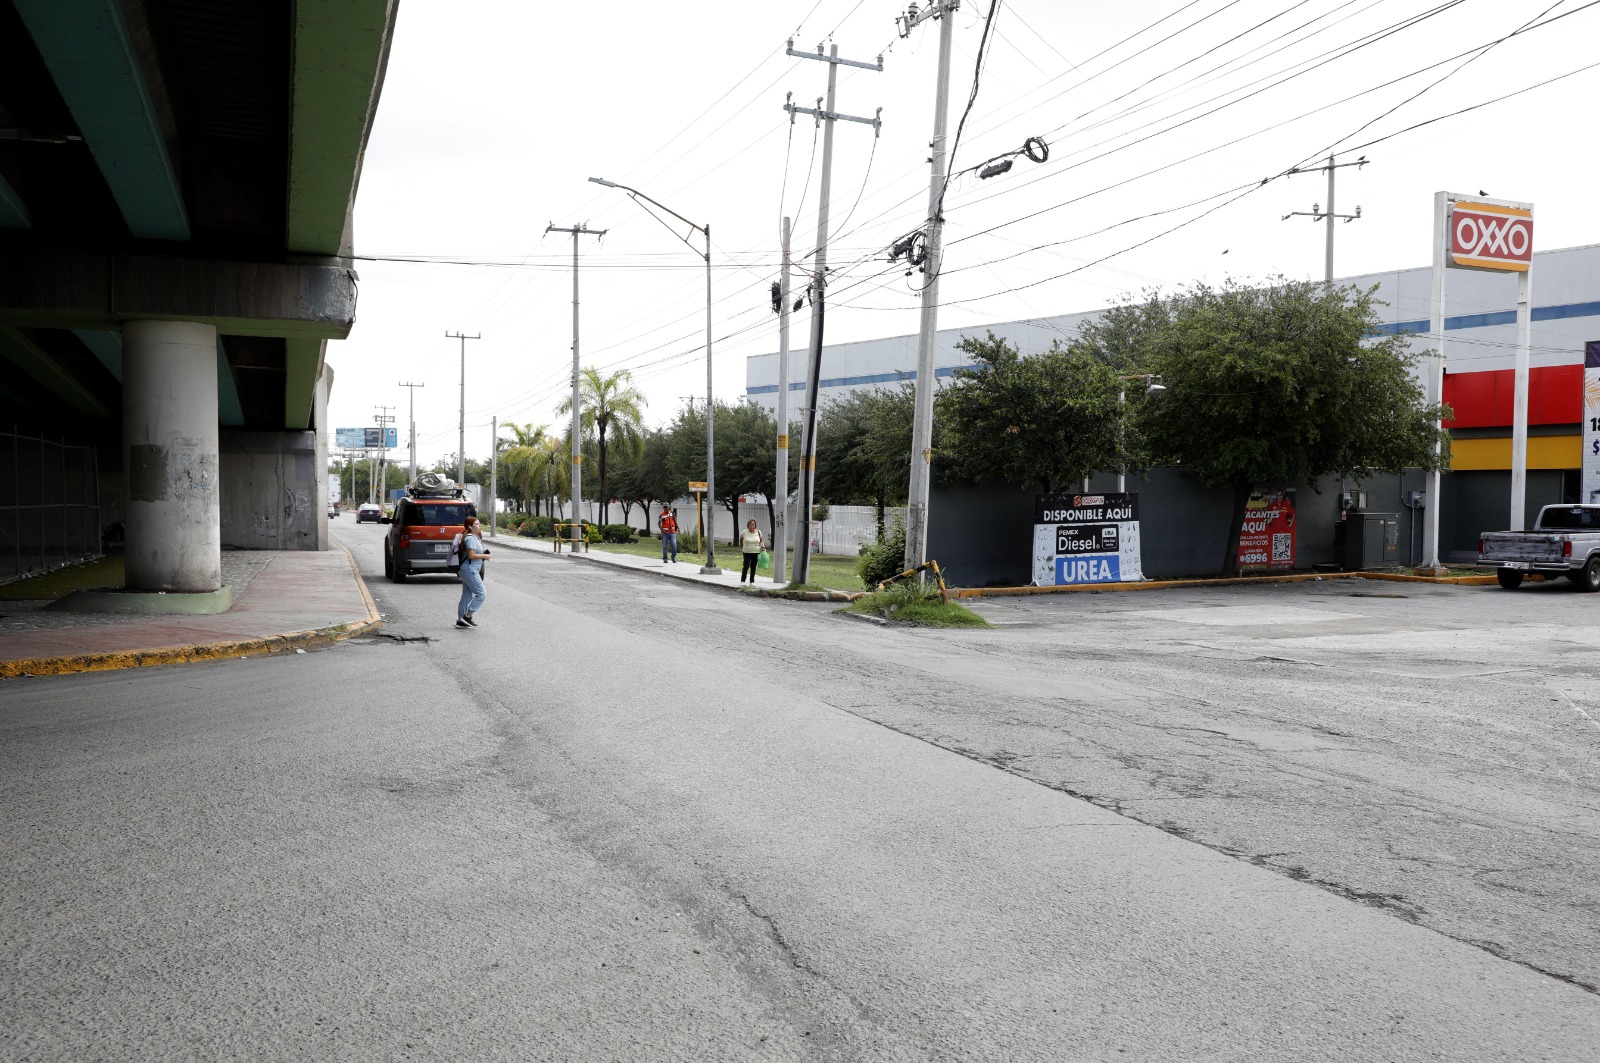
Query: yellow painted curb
x=1154 y=585
x=112 y=660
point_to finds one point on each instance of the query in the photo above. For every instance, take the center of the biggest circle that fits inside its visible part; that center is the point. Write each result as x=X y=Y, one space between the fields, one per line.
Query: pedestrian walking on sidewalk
x=471 y=573
x=669 y=535
x=752 y=542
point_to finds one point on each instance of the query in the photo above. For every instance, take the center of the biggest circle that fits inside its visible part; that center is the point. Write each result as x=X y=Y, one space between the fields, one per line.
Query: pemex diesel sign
x=1490 y=236
x=1085 y=539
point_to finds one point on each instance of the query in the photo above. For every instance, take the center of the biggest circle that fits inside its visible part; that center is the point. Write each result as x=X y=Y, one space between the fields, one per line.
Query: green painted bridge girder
x=14 y=213
x=87 y=48
x=340 y=49
x=23 y=353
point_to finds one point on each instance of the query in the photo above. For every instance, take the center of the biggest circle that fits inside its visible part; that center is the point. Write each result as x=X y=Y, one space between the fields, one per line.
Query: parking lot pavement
x=1433 y=751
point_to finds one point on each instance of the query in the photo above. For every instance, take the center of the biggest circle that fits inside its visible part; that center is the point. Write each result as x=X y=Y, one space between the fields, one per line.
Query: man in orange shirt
x=669 y=535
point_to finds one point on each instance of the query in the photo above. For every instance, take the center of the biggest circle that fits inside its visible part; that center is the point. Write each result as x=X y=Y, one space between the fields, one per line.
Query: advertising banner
x=1266 y=538
x=366 y=438
x=1591 y=422
x=1086 y=539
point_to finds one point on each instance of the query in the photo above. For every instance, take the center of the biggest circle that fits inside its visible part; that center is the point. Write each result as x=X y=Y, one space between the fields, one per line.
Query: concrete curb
x=1156 y=585
x=256 y=646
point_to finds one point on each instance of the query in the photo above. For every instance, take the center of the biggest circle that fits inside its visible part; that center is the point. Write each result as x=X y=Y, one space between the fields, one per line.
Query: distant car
x=370 y=512
x=424 y=527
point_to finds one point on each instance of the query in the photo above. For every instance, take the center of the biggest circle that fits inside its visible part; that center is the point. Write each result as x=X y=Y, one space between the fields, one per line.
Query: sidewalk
x=298 y=598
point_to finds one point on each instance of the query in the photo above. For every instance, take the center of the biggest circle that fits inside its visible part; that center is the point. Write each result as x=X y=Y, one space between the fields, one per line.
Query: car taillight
x=1480 y=547
x=1566 y=548
x=405 y=540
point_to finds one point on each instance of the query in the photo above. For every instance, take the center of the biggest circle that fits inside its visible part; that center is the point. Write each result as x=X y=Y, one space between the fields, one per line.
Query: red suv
x=423 y=528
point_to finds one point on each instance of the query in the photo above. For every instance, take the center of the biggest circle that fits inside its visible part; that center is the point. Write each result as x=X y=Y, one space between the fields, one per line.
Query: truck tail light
x=1480 y=547
x=1566 y=548
x=405 y=540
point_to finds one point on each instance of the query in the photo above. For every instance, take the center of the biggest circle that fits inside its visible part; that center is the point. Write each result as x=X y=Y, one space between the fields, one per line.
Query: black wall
x=982 y=535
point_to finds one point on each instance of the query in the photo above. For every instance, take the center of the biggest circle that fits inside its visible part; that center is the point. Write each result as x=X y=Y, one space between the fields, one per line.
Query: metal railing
x=49 y=504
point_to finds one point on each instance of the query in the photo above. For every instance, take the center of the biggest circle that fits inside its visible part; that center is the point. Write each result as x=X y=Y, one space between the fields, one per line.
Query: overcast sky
x=1157 y=113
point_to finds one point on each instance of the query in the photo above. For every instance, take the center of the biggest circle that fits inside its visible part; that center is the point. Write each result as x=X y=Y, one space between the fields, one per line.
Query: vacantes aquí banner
x=1085 y=539
x=1267 y=536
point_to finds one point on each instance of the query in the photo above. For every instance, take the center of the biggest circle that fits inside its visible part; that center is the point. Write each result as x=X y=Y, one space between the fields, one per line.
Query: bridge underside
x=176 y=184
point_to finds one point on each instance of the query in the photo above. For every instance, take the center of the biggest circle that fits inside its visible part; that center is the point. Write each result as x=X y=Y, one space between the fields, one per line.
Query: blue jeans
x=669 y=541
x=472 y=592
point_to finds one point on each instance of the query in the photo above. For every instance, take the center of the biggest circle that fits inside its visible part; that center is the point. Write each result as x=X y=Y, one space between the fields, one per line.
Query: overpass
x=176 y=186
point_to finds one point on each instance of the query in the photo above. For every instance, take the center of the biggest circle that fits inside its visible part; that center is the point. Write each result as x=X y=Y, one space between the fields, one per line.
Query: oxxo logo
x=1489 y=236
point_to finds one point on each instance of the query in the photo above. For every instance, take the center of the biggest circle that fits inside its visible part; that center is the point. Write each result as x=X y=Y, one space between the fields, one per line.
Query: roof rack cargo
x=434 y=485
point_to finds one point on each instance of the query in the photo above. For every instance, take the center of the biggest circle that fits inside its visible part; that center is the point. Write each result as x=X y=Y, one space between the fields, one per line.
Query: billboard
x=1085 y=539
x=1496 y=236
x=1266 y=536
x=366 y=438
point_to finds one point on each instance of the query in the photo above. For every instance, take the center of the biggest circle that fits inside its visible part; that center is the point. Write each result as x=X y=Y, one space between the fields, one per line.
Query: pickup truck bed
x=1564 y=540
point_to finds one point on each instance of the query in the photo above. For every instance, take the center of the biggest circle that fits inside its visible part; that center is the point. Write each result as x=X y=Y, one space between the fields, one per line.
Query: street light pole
x=710 y=568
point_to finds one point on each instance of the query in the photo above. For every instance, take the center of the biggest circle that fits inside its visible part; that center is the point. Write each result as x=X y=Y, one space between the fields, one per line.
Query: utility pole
x=384 y=418
x=780 y=534
x=577 y=437
x=1316 y=213
x=461 y=437
x=922 y=410
x=819 y=281
x=494 y=471
x=413 y=423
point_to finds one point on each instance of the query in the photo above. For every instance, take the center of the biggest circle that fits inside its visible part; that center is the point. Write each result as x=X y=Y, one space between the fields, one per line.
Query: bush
x=689 y=542
x=539 y=527
x=617 y=533
x=884 y=558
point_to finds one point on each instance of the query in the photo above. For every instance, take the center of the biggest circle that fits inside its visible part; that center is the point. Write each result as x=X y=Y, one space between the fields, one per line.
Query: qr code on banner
x=1283 y=547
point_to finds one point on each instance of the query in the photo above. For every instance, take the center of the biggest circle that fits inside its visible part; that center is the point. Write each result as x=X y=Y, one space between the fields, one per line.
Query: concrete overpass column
x=170 y=454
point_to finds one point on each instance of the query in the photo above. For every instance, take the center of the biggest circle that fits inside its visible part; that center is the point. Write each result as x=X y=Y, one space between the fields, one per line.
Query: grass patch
x=908 y=603
x=58 y=583
x=828 y=572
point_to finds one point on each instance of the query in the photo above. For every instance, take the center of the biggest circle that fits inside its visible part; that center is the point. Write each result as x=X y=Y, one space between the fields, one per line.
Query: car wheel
x=1510 y=579
x=388 y=564
x=1589 y=578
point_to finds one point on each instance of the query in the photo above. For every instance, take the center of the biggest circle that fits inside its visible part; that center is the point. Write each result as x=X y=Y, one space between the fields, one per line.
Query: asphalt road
x=633 y=819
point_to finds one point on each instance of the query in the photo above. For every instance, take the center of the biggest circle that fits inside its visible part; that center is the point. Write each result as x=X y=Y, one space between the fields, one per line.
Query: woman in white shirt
x=752 y=542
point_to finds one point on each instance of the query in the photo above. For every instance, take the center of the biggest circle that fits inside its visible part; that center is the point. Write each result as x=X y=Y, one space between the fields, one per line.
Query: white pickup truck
x=1564 y=539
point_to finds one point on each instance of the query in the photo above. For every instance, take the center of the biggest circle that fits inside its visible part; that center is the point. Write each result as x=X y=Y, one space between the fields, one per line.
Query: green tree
x=1284 y=383
x=520 y=469
x=746 y=451
x=612 y=408
x=1048 y=420
x=864 y=448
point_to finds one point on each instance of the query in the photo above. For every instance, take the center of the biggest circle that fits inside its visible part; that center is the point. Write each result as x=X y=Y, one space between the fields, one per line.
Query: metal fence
x=49 y=504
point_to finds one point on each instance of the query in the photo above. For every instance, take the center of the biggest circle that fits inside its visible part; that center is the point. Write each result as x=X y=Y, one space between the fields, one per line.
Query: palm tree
x=608 y=405
x=521 y=459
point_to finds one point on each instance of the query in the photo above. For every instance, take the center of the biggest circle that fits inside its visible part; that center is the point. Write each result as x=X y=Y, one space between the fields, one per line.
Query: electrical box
x=1417 y=499
x=1367 y=540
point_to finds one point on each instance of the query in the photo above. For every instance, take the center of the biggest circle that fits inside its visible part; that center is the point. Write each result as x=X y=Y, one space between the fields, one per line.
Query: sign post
x=1496 y=236
x=1591 y=423
x=1086 y=539
x=698 y=488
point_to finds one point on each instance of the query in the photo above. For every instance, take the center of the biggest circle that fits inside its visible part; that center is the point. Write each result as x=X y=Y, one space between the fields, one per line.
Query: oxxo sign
x=1490 y=236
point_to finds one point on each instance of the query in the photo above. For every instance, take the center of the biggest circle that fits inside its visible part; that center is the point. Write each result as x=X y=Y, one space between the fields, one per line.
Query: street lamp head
x=1155 y=389
x=603 y=181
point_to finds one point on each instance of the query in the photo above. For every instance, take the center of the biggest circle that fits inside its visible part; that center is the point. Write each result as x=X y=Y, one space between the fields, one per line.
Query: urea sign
x=1085 y=539
x=1490 y=236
